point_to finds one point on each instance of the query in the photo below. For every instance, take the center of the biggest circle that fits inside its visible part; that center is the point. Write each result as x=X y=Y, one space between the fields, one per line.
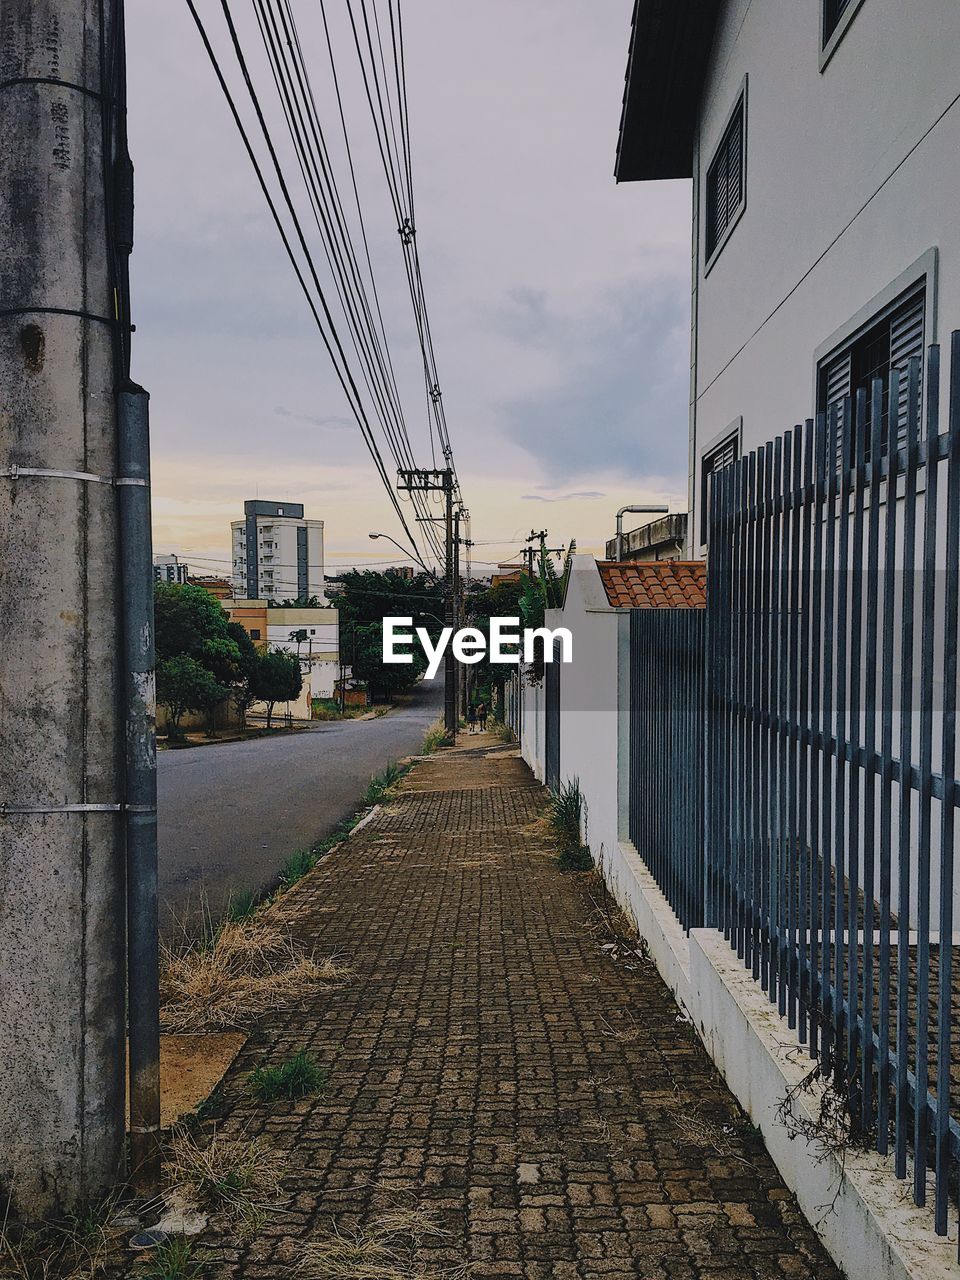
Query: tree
x=183 y=684
x=278 y=679
x=501 y=601
x=364 y=598
x=384 y=680
x=186 y=617
x=242 y=691
x=190 y=623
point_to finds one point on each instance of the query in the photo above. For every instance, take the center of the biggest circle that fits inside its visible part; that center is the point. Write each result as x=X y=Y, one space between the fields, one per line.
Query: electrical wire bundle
x=356 y=339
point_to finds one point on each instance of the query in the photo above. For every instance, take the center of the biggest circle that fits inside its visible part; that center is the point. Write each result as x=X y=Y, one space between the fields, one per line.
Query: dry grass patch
x=76 y=1248
x=241 y=1177
x=250 y=968
x=389 y=1249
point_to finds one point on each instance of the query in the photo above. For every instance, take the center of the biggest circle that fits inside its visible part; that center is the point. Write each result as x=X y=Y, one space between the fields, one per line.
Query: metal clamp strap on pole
x=15 y=471
x=7 y=810
x=15 y=81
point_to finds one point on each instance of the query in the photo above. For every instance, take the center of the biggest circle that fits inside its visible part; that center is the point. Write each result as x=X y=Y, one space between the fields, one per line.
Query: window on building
x=888 y=342
x=833 y=14
x=722 y=455
x=254 y=633
x=726 y=182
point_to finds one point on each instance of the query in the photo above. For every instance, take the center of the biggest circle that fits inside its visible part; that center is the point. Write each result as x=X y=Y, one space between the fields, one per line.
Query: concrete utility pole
x=419 y=480
x=62 y=904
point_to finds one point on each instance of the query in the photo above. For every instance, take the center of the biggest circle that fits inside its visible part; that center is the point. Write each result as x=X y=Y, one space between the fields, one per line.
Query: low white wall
x=532 y=728
x=871 y=1228
x=589 y=729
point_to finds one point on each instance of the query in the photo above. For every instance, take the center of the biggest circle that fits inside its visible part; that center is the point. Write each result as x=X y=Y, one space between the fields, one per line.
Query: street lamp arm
x=406 y=554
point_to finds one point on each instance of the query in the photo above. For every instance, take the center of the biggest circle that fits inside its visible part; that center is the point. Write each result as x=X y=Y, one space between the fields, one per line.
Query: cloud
x=557 y=298
x=312 y=421
x=563 y=497
x=617 y=394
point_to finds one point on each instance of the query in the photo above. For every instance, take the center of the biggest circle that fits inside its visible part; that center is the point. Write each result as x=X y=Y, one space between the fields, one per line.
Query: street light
x=406 y=554
x=641 y=510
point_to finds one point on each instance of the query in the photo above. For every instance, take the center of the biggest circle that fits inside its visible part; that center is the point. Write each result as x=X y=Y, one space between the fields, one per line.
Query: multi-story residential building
x=277 y=554
x=822 y=140
x=169 y=569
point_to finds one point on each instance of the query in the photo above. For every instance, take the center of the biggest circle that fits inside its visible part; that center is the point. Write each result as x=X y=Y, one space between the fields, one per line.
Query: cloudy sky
x=558 y=301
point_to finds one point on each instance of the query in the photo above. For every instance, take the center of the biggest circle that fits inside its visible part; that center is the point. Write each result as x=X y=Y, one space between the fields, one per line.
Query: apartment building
x=822 y=140
x=277 y=553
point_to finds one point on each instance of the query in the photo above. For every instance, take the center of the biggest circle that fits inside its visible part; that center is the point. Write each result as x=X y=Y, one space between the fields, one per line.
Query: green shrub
x=299 y=1077
x=297 y=866
x=381 y=783
x=243 y=904
x=435 y=738
x=565 y=815
x=172 y=1260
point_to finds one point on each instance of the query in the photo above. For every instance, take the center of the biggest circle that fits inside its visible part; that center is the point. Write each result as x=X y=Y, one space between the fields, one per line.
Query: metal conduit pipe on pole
x=140 y=708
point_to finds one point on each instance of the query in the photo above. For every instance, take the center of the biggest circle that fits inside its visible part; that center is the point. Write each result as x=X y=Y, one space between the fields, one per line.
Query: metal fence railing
x=830 y=821
x=551 y=721
x=666 y=753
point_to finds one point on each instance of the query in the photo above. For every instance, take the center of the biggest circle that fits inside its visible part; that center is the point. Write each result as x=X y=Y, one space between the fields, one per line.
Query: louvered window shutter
x=725 y=181
x=906 y=344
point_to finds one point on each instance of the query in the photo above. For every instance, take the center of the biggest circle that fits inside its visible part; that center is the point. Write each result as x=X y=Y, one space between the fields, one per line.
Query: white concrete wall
x=588 y=704
x=589 y=721
x=532 y=728
x=852 y=177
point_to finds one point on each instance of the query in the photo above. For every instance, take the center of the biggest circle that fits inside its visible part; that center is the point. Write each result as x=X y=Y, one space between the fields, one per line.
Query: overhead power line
x=359 y=351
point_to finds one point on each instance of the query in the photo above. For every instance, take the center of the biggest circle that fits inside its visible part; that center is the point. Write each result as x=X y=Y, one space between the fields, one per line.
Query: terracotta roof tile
x=661 y=584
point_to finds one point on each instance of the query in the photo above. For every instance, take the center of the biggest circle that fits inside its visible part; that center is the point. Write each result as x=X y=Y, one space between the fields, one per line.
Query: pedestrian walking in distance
x=471 y=718
x=482 y=716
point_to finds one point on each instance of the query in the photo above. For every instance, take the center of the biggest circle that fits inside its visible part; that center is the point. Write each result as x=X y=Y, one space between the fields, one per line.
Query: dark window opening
x=887 y=344
x=833 y=11
x=725 y=182
x=724 y=455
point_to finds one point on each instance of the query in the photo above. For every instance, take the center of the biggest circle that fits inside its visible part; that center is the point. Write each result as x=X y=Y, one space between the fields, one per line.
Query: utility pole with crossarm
x=426 y=481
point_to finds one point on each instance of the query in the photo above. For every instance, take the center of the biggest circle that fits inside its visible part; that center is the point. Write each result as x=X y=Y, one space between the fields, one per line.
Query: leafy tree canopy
x=184 y=684
x=186 y=617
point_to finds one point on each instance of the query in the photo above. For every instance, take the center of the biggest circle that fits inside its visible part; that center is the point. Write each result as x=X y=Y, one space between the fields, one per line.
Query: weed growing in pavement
x=564 y=818
x=298 y=1077
x=297 y=866
x=243 y=904
x=382 y=783
x=252 y=967
x=238 y=1176
x=78 y=1247
x=435 y=738
x=172 y=1260
x=502 y=731
x=389 y=1249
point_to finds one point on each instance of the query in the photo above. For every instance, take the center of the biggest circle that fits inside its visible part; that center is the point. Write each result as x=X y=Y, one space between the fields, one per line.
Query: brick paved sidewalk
x=491 y=1062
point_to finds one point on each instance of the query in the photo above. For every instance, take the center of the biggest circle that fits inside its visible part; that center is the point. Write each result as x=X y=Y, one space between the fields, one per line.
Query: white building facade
x=277 y=553
x=822 y=140
x=169 y=569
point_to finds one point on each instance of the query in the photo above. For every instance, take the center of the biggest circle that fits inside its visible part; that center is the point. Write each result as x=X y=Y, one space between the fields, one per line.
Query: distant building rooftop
x=256 y=507
x=661 y=539
x=661 y=584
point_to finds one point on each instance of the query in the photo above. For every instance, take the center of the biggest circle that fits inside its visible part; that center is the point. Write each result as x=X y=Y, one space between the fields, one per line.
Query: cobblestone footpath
x=490 y=1062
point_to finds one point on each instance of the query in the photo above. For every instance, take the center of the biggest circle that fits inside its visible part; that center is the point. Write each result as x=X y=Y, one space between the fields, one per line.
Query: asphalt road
x=231 y=815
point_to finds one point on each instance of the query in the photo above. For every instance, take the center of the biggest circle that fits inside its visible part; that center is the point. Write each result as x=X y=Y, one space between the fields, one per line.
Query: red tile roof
x=661 y=584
